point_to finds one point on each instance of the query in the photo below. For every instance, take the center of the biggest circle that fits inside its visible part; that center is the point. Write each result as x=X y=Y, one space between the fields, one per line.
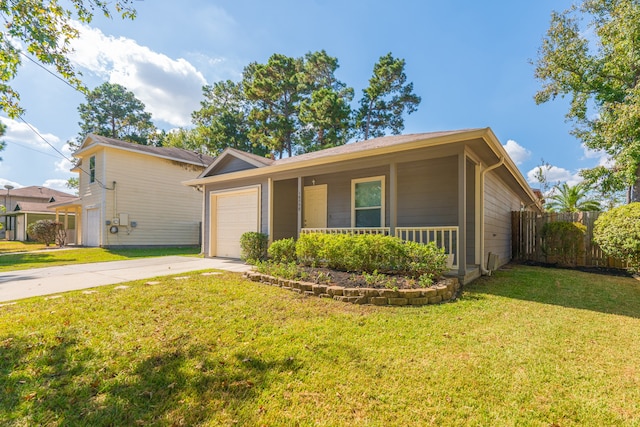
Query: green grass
x=55 y=257
x=7 y=246
x=527 y=347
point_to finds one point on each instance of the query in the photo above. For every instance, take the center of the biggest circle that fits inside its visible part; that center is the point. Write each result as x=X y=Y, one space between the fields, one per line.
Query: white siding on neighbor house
x=498 y=203
x=150 y=191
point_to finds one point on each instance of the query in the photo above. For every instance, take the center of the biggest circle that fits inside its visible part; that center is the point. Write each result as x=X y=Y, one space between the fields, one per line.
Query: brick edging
x=443 y=291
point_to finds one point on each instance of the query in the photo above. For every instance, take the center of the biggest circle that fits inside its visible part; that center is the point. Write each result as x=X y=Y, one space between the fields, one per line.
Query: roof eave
x=432 y=142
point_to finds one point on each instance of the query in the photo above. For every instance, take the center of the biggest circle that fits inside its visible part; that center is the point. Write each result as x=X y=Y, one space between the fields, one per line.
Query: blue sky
x=468 y=60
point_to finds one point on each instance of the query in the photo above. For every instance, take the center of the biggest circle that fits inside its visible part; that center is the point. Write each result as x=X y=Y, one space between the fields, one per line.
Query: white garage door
x=236 y=213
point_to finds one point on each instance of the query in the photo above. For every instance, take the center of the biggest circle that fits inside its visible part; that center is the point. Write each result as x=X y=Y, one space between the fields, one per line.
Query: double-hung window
x=367 y=202
x=92 y=169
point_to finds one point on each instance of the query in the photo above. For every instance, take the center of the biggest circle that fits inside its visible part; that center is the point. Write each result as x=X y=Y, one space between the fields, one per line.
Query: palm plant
x=574 y=198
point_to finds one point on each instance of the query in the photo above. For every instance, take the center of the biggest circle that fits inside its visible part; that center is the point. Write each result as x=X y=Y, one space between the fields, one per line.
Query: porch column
x=462 y=214
x=270 y=210
x=393 y=198
x=299 y=205
x=78 y=221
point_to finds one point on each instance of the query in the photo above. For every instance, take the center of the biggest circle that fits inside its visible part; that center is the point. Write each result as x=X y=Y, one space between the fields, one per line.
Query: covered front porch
x=431 y=196
x=65 y=211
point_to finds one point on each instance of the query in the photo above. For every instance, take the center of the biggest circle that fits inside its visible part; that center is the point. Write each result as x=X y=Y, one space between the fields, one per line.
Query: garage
x=232 y=214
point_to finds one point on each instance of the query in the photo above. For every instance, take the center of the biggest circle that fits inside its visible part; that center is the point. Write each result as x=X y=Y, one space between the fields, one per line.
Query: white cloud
x=603 y=158
x=554 y=175
x=517 y=152
x=21 y=133
x=4 y=182
x=57 y=184
x=170 y=88
x=64 y=165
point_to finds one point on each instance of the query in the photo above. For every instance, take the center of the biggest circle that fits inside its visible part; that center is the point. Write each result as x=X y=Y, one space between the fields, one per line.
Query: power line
x=49 y=71
x=31 y=148
x=34 y=130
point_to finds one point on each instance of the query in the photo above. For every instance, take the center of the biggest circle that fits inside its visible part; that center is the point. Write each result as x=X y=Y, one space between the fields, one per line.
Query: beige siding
x=498 y=204
x=92 y=193
x=427 y=193
x=150 y=191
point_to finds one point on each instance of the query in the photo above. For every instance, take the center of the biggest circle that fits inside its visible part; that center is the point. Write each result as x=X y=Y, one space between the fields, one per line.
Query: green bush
x=564 y=241
x=47 y=231
x=253 y=246
x=369 y=253
x=617 y=232
x=283 y=250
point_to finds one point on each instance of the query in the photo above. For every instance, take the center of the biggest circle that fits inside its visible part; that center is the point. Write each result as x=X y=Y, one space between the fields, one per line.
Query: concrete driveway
x=20 y=284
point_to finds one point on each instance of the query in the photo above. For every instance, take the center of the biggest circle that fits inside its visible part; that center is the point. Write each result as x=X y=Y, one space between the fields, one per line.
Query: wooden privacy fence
x=528 y=244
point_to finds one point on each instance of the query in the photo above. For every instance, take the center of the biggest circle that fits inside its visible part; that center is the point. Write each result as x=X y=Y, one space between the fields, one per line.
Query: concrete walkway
x=52 y=280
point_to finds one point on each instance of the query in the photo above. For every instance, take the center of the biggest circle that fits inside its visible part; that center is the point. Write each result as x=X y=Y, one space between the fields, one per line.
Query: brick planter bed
x=444 y=290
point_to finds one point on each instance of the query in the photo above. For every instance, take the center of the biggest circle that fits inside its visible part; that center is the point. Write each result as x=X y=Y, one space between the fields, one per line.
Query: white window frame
x=380 y=178
x=92 y=169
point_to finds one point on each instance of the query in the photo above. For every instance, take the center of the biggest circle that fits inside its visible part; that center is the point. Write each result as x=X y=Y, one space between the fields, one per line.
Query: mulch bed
x=346 y=279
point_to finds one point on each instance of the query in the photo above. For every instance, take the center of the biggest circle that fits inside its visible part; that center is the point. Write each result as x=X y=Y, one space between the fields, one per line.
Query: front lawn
x=8 y=246
x=56 y=256
x=527 y=347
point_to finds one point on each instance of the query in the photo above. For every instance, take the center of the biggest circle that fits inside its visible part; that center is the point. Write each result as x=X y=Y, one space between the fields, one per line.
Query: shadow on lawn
x=563 y=287
x=32 y=257
x=66 y=382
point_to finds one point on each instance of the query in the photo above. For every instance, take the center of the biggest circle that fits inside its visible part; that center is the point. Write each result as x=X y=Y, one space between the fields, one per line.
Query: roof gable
x=32 y=207
x=232 y=160
x=170 y=153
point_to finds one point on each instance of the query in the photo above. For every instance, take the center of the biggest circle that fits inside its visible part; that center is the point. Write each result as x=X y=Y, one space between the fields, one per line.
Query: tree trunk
x=634 y=190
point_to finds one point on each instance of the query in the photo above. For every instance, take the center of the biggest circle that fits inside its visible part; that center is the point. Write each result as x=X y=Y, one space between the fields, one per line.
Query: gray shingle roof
x=32 y=207
x=40 y=192
x=370 y=144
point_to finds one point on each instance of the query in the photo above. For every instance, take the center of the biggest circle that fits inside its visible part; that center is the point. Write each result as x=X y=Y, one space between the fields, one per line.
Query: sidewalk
x=52 y=280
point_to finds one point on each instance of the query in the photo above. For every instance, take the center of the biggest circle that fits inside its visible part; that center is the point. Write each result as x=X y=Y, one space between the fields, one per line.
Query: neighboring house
x=457 y=188
x=27 y=205
x=131 y=194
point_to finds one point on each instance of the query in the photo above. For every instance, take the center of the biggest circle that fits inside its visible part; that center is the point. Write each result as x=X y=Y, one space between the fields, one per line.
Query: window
x=367 y=202
x=92 y=169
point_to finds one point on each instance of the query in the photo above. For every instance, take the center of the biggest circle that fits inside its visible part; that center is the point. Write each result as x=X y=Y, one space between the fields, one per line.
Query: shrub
x=309 y=248
x=47 y=231
x=283 y=250
x=371 y=254
x=563 y=241
x=253 y=246
x=617 y=232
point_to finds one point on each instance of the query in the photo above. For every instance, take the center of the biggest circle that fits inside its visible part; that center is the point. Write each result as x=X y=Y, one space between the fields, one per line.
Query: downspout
x=483 y=270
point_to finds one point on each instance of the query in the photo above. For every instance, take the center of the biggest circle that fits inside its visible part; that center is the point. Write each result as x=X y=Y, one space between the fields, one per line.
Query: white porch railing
x=443 y=237
x=348 y=230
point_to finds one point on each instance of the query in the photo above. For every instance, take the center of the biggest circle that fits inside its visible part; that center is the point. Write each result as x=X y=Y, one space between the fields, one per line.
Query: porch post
x=479 y=195
x=270 y=210
x=462 y=214
x=299 y=205
x=78 y=222
x=393 y=198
